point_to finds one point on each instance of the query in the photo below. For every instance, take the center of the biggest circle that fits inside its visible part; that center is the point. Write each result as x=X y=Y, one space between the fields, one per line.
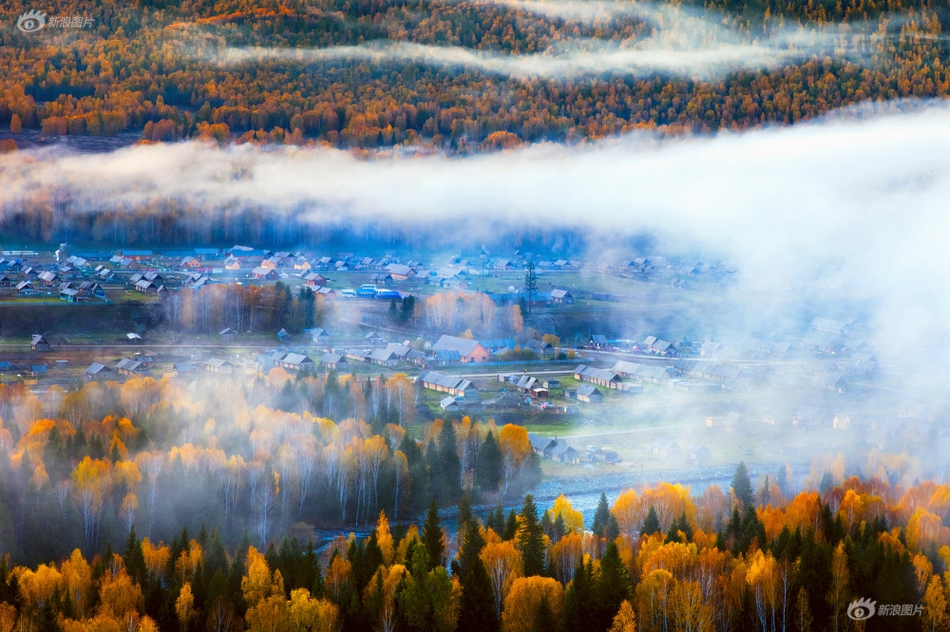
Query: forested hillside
x=86 y=473
x=169 y=71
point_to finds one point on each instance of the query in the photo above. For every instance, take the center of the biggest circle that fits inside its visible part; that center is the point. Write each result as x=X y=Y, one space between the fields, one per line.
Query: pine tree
x=499 y=523
x=611 y=588
x=558 y=528
x=680 y=525
x=465 y=511
x=511 y=526
x=420 y=490
x=544 y=620
x=432 y=538
x=437 y=482
x=451 y=465
x=742 y=486
x=530 y=282
x=652 y=522
x=547 y=525
x=134 y=558
x=477 y=607
x=488 y=471
x=472 y=545
x=530 y=540
x=578 y=600
x=601 y=516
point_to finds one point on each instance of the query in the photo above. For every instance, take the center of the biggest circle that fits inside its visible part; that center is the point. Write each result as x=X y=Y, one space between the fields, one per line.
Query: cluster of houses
x=670 y=449
x=559 y=450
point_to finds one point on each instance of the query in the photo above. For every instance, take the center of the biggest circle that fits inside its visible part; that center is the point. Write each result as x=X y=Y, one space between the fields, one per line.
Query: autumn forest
x=166 y=71
x=149 y=505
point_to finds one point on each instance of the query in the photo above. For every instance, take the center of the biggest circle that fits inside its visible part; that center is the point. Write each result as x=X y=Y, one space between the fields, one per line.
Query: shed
x=40 y=343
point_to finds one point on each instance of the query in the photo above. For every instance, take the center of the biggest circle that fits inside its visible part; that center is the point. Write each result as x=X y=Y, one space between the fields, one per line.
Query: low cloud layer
x=854 y=206
x=681 y=43
x=593 y=59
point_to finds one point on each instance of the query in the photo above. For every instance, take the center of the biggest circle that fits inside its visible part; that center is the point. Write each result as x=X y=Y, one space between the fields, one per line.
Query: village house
x=652 y=344
x=48 y=278
x=831 y=381
x=130 y=366
x=564 y=453
x=184 y=369
x=830 y=326
x=541 y=445
x=602 y=455
x=699 y=456
x=598 y=341
x=97 y=370
x=400 y=272
x=206 y=254
x=296 y=362
x=264 y=274
x=227 y=335
x=385 y=357
x=468 y=350
x=451 y=385
x=445 y=357
x=357 y=355
x=649 y=373
x=218 y=365
x=314 y=279
x=862 y=366
x=247 y=255
x=590 y=394
x=90 y=288
x=665 y=448
x=449 y=403
x=601 y=377
x=39 y=343
x=539 y=346
x=70 y=295
x=561 y=297
x=318 y=335
x=137 y=255
x=333 y=360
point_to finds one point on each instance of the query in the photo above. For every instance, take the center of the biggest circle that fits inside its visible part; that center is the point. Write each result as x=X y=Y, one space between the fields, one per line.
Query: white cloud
x=855 y=206
x=680 y=43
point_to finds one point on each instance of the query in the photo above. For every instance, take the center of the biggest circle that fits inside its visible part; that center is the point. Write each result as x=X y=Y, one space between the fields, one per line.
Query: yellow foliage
x=523 y=600
x=119 y=594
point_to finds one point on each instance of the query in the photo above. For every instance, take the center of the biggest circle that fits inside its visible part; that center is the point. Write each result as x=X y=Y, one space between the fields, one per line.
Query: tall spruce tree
x=742 y=486
x=477 y=607
x=601 y=516
x=436 y=477
x=577 y=603
x=432 y=538
x=611 y=588
x=451 y=465
x=652 y=522
x=488 y=472
x=530 y=539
